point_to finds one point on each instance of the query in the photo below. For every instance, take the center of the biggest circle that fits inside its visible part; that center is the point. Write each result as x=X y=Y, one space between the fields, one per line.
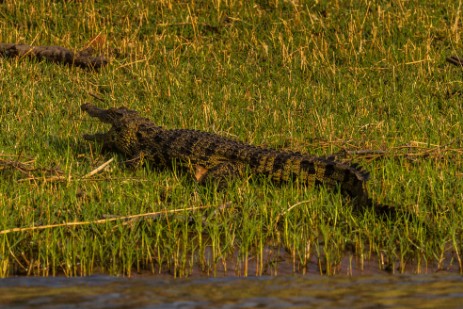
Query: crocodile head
x=123 y=134
x=111 y=115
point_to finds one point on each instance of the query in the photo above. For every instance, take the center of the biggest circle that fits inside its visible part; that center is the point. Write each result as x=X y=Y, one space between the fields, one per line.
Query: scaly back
x=132 y=134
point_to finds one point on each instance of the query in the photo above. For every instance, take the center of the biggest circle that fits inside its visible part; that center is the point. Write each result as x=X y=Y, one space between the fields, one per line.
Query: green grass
x=319 y=78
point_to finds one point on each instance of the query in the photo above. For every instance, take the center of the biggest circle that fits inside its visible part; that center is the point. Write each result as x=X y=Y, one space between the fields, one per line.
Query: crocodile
x=211 y=157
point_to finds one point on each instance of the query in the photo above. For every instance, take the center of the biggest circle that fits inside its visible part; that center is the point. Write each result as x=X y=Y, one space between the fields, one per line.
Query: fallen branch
x=25 y=167
x=455 y=61
x=61 y=177
x=411 y=151
x=101 y=221
x=57 y=54
x=28 y=169
x=98 y=169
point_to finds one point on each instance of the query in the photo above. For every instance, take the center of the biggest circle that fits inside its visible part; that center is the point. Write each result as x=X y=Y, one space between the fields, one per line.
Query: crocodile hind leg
x=219 y=174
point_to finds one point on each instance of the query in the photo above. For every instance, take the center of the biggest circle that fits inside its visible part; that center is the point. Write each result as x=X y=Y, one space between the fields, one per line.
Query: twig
x=455 y=61
x=413 y=150
x=456 y=23
x=101 y=221
x=69 y=178
x=98 y=169
x=96 y=97
x=293 y=206
x=23 y=167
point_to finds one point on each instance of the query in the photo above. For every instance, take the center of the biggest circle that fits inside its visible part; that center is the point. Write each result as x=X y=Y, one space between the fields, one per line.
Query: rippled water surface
x=423 y=291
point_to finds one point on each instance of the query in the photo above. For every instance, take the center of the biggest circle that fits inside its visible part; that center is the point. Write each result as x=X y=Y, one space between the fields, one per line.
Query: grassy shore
x=334 y=76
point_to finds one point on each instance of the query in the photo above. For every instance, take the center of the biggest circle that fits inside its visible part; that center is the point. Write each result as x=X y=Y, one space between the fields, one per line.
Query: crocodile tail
x=310 y=170
x=351 y=178
x=359 y=171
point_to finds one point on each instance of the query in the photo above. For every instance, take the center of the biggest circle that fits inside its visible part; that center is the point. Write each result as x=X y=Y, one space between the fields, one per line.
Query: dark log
x=57 y=54
x=455 y=61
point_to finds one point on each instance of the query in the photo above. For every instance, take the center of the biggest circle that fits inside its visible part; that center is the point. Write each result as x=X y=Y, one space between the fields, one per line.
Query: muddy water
x=418 y=291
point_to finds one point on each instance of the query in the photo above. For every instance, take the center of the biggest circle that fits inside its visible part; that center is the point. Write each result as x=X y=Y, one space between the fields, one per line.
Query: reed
x=366 y=78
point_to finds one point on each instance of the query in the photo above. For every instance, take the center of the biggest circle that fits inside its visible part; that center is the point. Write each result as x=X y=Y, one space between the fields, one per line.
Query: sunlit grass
x=319 y=78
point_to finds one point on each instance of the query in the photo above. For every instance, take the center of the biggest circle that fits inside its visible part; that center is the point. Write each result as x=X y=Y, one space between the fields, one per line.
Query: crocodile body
x=213 y=157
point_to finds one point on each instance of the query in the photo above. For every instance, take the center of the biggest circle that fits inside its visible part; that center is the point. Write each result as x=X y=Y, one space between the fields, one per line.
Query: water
x=387 y=291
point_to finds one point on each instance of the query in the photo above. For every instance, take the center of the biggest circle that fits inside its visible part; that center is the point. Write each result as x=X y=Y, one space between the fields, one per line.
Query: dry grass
x=367 y=81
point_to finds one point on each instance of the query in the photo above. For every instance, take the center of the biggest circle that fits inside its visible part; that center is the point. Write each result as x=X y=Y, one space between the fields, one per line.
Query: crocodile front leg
x=97 y=137
x=102 y=138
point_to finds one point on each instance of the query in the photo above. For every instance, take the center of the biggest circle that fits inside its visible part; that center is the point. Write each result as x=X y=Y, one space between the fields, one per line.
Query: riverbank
x=366 y=81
